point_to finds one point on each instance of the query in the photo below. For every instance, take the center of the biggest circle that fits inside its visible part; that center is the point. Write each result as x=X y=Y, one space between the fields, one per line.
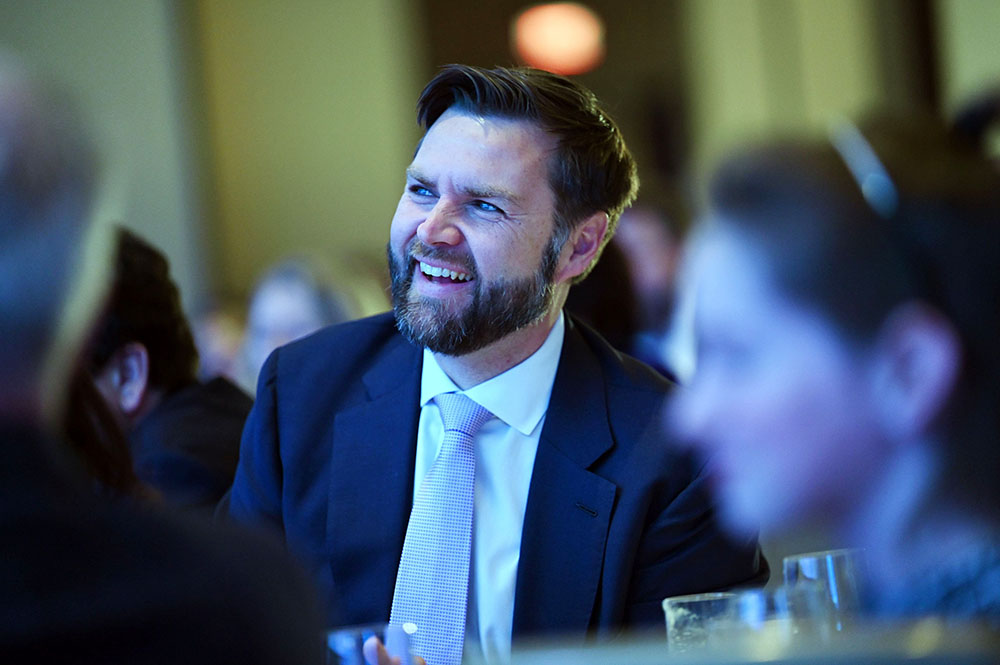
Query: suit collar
x=577 y=421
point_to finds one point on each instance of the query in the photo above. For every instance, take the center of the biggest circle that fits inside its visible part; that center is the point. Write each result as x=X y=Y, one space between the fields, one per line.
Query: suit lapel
x=569 y=508
x=371 y=484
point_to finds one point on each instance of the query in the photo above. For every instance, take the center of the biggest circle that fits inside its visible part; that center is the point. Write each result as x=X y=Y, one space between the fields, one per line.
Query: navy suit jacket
x=616 y=519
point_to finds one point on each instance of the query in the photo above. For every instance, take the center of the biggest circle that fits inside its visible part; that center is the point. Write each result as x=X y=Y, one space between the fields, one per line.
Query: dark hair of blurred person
x=183 y=434
x=144 y=324
x=848 y=366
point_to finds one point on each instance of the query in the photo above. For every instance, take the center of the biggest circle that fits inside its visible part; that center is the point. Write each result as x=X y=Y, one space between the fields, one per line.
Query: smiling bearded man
x=478 y=464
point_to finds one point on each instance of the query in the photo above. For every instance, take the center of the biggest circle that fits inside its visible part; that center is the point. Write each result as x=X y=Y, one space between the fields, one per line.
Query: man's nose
x=439 y=227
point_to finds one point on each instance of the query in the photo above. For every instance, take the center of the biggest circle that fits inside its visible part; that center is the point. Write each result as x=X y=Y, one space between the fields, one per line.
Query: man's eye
x=419 y=190
x=486 y=207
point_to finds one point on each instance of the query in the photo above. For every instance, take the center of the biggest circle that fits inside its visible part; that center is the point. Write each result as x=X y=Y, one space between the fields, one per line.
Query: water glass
x=839 y=573
x=767 y=622
x=691 y=620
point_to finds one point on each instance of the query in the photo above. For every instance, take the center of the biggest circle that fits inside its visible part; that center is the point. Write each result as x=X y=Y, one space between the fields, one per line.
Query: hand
x=376 y=654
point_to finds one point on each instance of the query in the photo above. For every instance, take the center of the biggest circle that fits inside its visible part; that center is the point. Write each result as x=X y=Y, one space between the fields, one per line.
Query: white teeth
x=434 y=271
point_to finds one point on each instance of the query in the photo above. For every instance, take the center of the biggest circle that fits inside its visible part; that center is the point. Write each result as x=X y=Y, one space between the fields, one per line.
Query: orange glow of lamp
x=563 y=38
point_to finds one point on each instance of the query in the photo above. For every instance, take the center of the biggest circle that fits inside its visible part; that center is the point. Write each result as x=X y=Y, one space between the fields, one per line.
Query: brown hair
x=592 y=169
x=145 y=307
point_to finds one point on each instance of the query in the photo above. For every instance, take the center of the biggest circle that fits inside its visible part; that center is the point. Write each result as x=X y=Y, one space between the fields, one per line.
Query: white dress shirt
x=505 y=455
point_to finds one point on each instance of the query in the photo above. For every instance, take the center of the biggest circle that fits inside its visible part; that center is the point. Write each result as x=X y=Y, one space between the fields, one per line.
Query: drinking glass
x=839 y=573
x=344 y=646
x=692 y=619
x=766 y=622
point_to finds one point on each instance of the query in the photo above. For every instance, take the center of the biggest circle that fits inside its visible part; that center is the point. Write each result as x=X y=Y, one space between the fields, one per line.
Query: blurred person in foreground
x=848 y=367
x=83 y=579
x=184 y=434
x=582 y=520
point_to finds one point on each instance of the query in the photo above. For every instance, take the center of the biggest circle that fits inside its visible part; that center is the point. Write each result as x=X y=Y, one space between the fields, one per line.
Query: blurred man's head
x=47 y=176
x=143 y=348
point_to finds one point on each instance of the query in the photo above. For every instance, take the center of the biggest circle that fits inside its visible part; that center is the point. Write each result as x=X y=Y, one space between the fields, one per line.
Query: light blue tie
x=433 y=580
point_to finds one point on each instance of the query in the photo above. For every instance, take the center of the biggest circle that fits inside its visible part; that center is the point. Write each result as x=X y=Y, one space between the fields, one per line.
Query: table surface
x=928 y=642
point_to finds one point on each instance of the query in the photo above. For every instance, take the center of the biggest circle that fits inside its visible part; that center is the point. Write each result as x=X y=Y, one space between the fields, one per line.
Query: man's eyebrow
x=488 y=192
x=474 y=191
x=415 y=174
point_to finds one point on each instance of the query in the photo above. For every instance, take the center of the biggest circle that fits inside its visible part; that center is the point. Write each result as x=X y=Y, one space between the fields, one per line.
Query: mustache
x=417 y=250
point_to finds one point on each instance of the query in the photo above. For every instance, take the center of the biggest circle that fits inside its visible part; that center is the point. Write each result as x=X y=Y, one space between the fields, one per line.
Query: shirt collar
x=519 y=396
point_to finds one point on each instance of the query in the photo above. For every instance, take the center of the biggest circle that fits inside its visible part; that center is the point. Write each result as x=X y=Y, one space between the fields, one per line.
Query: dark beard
x=504 y=307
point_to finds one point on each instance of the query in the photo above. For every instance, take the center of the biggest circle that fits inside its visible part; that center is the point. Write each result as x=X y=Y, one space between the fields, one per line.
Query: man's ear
x=918 y=365
x=584 y=242
x=127 y=377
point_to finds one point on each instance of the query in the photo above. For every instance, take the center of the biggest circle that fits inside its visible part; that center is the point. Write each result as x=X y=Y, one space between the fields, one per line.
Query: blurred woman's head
x=847 y=309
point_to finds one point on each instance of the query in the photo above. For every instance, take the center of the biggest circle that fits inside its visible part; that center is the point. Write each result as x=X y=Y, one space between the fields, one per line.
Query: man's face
x=471 y=249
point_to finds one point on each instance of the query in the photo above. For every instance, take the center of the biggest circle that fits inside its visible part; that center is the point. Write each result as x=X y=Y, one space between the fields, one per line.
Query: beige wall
x=760 y=67
x=310 y=122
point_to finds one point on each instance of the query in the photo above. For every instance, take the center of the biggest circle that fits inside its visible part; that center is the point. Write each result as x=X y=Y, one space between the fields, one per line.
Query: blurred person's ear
x=919 y=357
x=124 y=380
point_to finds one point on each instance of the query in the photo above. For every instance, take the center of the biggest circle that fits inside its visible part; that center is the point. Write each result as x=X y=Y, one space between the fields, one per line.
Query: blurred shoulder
x=130 y=583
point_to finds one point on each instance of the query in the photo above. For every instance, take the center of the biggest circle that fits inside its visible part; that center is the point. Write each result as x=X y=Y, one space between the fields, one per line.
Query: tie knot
x=459 y=413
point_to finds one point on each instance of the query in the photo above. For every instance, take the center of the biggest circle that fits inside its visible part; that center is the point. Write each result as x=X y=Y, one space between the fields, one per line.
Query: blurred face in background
x=779 y=402
x=281 y=311
x=651 y=252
